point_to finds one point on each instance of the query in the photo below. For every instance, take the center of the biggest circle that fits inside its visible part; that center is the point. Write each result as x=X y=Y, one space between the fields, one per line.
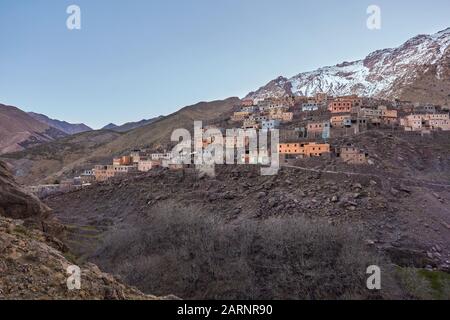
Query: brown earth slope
x=18 y=130
x=404 y=220
x=31 y=266
x=64 y=157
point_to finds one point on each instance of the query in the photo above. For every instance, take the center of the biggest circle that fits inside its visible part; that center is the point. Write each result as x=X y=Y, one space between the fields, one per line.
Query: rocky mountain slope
x=32 y=265
x=18 y=130
x=421 y=64
x=63 y=126
x=48 y=162
x=130 y=125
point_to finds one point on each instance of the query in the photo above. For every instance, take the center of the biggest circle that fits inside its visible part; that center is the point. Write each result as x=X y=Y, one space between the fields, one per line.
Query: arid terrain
x=34 y=262
x=388 y=210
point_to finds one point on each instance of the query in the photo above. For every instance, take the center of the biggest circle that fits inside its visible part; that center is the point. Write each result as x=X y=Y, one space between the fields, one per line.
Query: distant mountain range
x=130 y=125
x=63 y=126
x=418 y=70
x=19 y=130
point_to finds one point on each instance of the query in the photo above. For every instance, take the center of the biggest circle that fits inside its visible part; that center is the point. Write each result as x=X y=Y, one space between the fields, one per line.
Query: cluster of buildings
x=136 y=161
x=324 y=116
x=314 y=120
x=306 y=124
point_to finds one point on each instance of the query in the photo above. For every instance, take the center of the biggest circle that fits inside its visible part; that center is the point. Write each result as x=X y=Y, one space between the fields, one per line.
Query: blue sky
x=142 y=58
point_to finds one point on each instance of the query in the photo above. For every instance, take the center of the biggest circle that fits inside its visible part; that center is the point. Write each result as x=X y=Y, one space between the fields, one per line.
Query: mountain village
x=306 y=125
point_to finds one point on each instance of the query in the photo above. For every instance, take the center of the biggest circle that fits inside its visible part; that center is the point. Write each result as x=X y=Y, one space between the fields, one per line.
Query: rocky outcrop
x=16 y=203
x=31 y=269
x=32 y=262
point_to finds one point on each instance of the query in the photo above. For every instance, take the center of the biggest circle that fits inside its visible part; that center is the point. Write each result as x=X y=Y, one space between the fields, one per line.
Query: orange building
x=388 y=116
x=344 y=104
x=305 y=149
x=340 y=121
x=123 y=161
x=103 y=173
x=340 y=106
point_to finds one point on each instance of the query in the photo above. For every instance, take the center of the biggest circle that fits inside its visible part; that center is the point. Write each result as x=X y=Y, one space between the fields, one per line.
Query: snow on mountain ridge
x=379 y=74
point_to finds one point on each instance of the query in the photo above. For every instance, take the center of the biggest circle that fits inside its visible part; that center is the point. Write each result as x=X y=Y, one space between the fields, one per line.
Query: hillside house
x=136 y=155
x=419 y=122
x=321 y=97
x=161 y=156
x=316 y=129
x=370 y=113
x=345 y=104
x=287 y=116
x=249 y=109
x=251 y=123
x=310 y=106
x=388 y=117
x=145 y=165
x=87 y=176
x=341 y=121
x=425 y=109
x=270 y=124
x=240 y=115
x=103 y=173
x=123 y=161
x=352 y=155
x=247 y=103
x=304 y=149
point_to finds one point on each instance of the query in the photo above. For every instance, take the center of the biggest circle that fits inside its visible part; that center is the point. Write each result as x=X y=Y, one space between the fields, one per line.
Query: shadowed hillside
x=49 y=161
x=18 y=130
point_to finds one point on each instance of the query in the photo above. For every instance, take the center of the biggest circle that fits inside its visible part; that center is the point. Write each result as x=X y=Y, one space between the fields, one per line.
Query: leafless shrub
x=196 y=256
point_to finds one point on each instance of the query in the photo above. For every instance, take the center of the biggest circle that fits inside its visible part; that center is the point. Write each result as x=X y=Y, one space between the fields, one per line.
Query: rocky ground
x=392 y=216
x=32 y=269
x=398 y=203
x=33 y=262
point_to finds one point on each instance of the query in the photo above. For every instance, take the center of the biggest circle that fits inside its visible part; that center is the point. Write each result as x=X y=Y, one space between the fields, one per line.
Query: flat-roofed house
x=352 y=155
x=388 y=117
x=240 y=115
x=270 y=124
x=145 y=165
x=418 y=122
x=304 y=149
x=317 y=128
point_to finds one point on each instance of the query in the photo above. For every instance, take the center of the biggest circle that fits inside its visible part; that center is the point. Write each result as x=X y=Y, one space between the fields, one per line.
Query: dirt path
x=406 y=180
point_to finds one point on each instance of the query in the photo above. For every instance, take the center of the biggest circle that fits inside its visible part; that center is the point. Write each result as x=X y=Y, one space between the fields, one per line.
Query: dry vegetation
x=198 y=256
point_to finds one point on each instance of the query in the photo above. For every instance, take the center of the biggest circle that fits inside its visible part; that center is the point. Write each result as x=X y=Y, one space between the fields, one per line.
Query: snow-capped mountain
x=390 y=73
